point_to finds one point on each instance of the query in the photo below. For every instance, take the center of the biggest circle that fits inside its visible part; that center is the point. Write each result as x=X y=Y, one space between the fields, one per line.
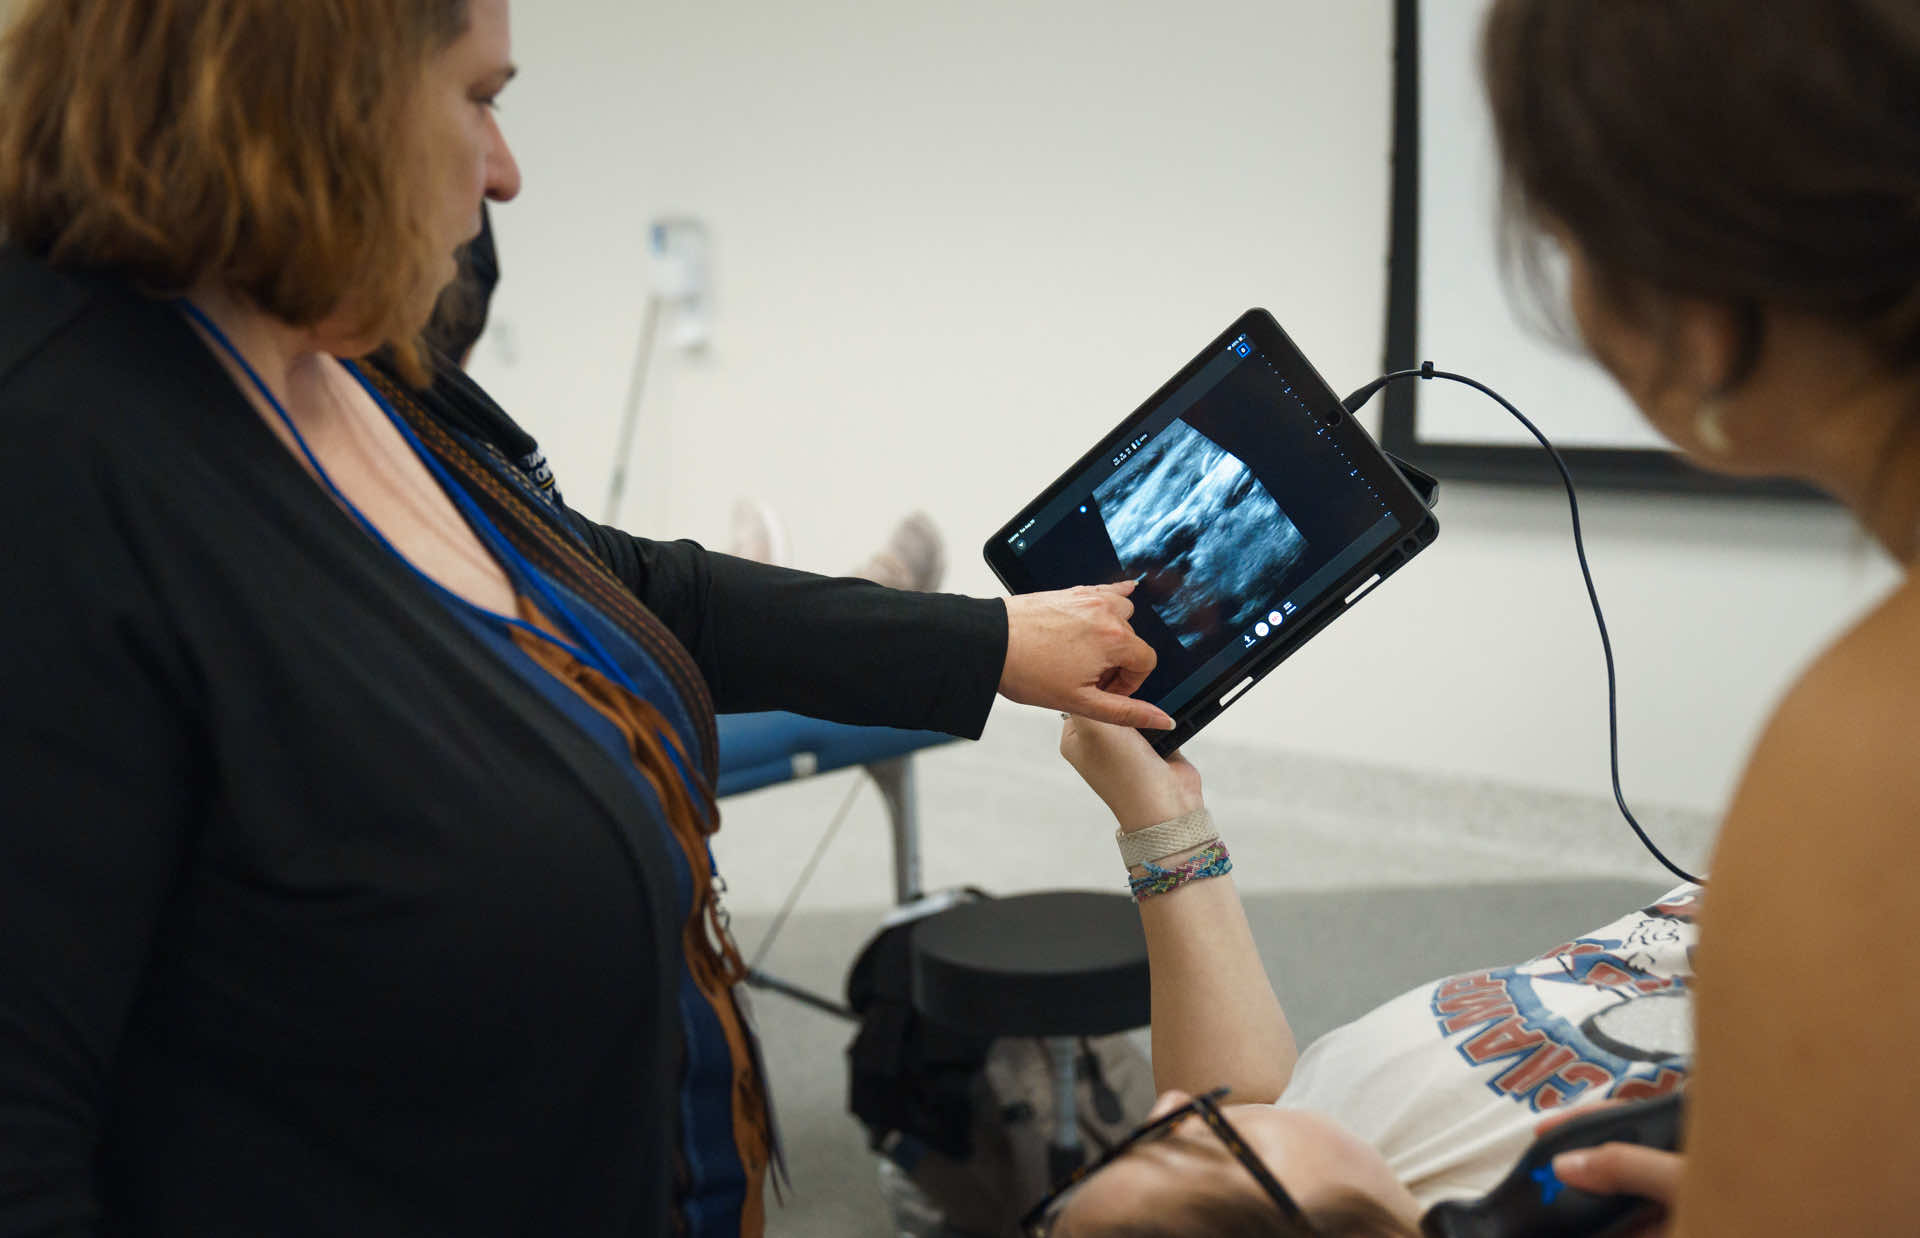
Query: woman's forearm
x=1216 y=1020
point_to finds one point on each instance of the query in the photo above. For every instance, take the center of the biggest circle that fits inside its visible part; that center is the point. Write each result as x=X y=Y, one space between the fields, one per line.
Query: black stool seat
x=1058 y=963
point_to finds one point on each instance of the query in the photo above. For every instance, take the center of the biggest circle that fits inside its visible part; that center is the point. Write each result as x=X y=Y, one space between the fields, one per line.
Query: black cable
x=1358 y=400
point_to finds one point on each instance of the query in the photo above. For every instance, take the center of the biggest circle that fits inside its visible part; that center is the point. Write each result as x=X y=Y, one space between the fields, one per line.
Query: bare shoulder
x=1806 y=1008
x=1830 y=800
x=1848 y=733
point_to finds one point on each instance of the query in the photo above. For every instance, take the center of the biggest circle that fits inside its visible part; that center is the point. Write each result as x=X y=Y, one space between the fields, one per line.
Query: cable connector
x=1426 y=369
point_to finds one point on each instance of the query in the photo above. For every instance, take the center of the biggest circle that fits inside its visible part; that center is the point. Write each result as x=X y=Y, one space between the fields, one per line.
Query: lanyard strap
x=589 y=651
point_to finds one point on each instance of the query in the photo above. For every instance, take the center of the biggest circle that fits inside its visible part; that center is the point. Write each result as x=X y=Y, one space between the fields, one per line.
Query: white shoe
x=917 y=542
x=913 y=558
x=755 y=533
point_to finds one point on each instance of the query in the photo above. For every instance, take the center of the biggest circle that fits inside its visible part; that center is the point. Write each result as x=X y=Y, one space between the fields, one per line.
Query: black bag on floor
x=966 y=1118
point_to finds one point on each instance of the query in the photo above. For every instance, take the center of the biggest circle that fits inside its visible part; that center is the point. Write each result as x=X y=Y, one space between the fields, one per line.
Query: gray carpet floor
x=1332 y=955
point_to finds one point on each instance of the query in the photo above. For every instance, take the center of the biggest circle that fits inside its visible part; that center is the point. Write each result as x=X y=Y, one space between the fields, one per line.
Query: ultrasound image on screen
x=1205 y=538
x=1195 y=514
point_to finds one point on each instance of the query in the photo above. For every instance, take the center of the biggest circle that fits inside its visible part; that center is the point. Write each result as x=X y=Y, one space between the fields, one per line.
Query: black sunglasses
x=1040 y=1219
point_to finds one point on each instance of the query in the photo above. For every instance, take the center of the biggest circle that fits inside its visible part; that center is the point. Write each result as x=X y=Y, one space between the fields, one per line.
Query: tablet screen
x=1237 y=499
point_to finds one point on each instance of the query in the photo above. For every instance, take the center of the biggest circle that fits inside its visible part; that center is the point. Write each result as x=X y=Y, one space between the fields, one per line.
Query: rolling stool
x=1059 y=965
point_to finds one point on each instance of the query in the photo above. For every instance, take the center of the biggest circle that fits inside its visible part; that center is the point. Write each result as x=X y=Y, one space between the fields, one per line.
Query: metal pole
x=894 y=777
x=1064 y=1150
x=630 y=415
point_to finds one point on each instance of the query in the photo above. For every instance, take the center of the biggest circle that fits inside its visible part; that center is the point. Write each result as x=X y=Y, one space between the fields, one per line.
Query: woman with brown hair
x=1736 y=190
x=354 y=871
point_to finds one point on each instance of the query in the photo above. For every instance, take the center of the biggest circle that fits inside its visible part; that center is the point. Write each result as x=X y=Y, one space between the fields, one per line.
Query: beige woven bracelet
x=1157 y=842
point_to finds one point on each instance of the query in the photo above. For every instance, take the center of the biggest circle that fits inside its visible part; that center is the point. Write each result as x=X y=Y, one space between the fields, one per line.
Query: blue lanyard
x=589 y=651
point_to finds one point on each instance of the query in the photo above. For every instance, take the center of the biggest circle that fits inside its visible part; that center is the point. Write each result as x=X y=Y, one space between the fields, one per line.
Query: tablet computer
x=1250 y=507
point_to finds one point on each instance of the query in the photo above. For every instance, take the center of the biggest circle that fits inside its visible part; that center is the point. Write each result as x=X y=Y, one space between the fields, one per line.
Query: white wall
x=955 y=242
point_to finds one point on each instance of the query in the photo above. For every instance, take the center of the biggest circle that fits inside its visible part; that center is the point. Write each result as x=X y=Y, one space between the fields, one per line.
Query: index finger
x=1622 y=1169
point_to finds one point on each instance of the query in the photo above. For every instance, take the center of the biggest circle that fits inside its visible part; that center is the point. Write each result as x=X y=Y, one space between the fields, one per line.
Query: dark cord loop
x=1358 y=400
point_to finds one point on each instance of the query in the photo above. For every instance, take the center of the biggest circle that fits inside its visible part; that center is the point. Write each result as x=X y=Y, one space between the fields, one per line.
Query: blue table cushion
x=758 y=750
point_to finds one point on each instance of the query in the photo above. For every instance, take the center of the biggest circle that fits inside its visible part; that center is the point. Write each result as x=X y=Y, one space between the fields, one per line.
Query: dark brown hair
x=1765 y=157
x=264 y=144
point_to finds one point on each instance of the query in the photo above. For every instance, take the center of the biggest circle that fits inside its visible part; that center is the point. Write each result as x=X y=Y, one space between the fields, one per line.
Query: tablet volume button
x=1238 y=688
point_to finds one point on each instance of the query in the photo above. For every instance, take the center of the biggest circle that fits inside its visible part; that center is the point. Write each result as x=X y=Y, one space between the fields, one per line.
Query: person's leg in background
x=914 y=556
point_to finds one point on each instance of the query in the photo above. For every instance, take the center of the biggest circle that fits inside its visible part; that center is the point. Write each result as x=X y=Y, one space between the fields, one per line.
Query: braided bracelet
x=1210 y=861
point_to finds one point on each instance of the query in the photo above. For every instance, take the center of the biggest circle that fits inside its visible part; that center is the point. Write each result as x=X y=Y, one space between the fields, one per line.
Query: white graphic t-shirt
x=1449 y=1080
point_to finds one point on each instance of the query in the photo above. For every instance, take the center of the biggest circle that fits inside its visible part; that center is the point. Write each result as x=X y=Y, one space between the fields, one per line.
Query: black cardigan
x=315 y=918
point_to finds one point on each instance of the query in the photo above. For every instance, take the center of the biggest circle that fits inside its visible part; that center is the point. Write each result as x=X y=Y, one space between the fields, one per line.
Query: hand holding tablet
x=1245 y=506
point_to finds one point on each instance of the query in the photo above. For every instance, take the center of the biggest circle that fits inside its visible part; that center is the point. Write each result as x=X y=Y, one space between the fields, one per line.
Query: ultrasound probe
x=1532 y=1202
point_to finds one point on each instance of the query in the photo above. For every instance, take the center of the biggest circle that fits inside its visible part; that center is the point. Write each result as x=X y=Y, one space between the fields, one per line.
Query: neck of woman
x=297 y=365
x=285 y=357
x=1824 y=407
x=1872 y=465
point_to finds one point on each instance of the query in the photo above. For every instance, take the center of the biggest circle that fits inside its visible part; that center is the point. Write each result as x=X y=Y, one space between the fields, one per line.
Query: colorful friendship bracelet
x=1209 y=861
